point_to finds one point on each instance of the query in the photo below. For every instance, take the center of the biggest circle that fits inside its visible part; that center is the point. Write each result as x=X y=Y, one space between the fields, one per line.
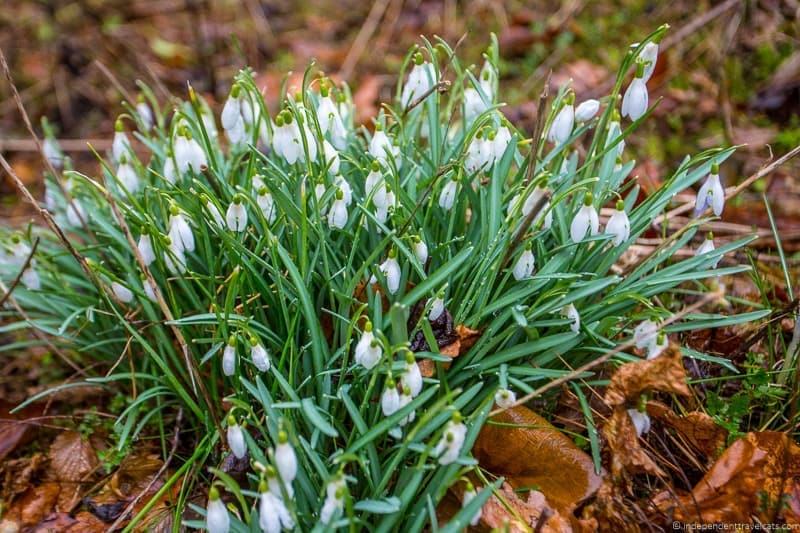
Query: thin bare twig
x=363 y=37
x=22 y=270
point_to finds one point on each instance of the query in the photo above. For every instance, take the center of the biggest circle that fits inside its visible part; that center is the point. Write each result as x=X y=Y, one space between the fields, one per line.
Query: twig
x=441 y=86
x=17 y=279
x=606 y=356
x=363 y=37
x=115 y=82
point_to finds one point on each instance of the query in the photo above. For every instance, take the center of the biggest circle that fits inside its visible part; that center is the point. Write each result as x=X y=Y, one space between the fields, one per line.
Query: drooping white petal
x=30 y=278
x=390 y=401
x=170 y=172
x=149 y=291
x=337 y=216
x=120 y=146
x=76 y=214
x=562 y=125
x=368 y=350
x=231 y=112
x=437 y=308
x=236 y=217
x=180 y=233
x=635 y=101
x=229 y=360
x=145 y=114
x=331 y=157
x=649 y=55
x=505 y=398
x=470 y=495
x=420 y=80
x=175 y=259
x=619 y=226
x=645 y=333
x=260 y=357
x=524 y=266
x=236 y=442
x=411 y=379
x=52 y=151
x=391 y=269
x=586 y=220
x=421 y=251
x=711 y=194
x=587 y=110
x=286 y=462
x=267 y=205
x=128 y=178
x=706 y=247
x=657 y=346
x=641 y=422
x=449 y=447
x=448 y=195
x=474 y=105
x=572 y=314
x=122 y=292
x=217 y=519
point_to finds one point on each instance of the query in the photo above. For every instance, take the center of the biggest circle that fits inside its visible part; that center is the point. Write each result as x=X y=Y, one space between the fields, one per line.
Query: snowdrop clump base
x=268 y=271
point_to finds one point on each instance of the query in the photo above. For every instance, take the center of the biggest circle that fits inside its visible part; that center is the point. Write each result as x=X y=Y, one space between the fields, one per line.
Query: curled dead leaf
x=509 y=512
x=609 y=512
x=696 y=427
x=627 y=454
x=531 y=453
x=664 y=373
x=71 y=457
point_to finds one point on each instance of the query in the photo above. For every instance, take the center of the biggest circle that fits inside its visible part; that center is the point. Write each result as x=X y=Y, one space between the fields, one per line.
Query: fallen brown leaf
x=532 y=453
x=32 y=507
x=72 y=460
x=697 y=427
x=513 y=514
x=664 y=373
x=627 y=454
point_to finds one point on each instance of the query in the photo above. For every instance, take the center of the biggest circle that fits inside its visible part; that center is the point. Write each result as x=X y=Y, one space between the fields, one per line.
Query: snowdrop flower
x=659 y=343
x=391 y=270
x=420 y=80
x=286 y=137
x=52 y=151
x=189 y=154
x=179 y=230
x=236 y=438
x=259 y=355
x=706 y=247
x=337 y=216
x=641 y=421
x=390 y=399
x=76 y=214
x=585 y=220
x=649 y=56
x=479 y=153
x=319 y=193
x=273 y=516
x=213 y=210
x=121 y=145
x=174 y=257
x=285 y=459
x=347 y=191
x=19 y=249
x=229 y=357
x=500 y=141
x=122 y=293
x=145 y=246
x=474 y=104
x=420 y=249
x=587 y=110
x=635 y=101
x=711 y=194
x=505 y=398
x=267 y=204
x=469 y=495
x=571 y=313
x=170 y=172
x=614 y=131
x=448 y=195
x=530 y=203
x=126 y=175
x=144 y=112
x=371 y=184
x=405 y=399
x=411 y=378
x=232 y=118
x=561 y=128
x=386 y=201
x=368 y=350
x=217 y=519
x=645 y=333
x=524 y=266
x=149 y=290
x=437 y=307
x=381 y=147
x=618 y=225
x=30 y=278
x=331 y=157
x=334 y=501
x=449 y=447
x=330 y=118
x=236 y=216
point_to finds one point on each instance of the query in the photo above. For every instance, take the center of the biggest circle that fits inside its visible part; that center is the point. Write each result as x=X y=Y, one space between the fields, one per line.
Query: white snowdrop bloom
x=505 y=398
x=449 y=447
x=286 y=137
x=614 y=131
x=437 y=308
x=371 y=184
x=213 y=210
x=52 y=151
x=229 y=357
x=711 y=194
x=122 y=292
x=524 y=265
x=530 y=202
x=170 y=171
x=474 y=104
x=121 y=145
x=659 y=343
x=618 y=225
x=30 y=278
x=232 y=119
x=179 y=230
x=641 y=421
x=235 y=436
x=479 y=154
x=19 y=249
x=337 y=216
x=585 y=221
x=469 y=495
x=390 y=399
x=331 y=157
x=267 y=205
x=420 y=249
x=347 y=191
x=76 y=214
x=391 y=270
x=388 y=202
x=368 y=350
x=587 y=110
x=149 y=290
x=334 y=501
x=448 y=195
x=285 y=459
x=405 y=399
x=189 y=154
x=420 y=80
x=561 y=128
x=502 y=138
x=145 y=113
x=572 y=314
x=649 y=56
x=305 y=133
x=259 y=355
x=635 y=101
x=236 y=215
x=175 y=258
x=645 y=333
x=238 y=134
x=273 y=516
x=319 y=193
x=217 y=518
x=708 y=246
x=381 y=147
x=127 y=177
x=327 y=111
x=411 y=378
x=207 y=116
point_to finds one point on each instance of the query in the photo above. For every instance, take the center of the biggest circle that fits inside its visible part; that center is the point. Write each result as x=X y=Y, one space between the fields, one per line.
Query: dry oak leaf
x=72 y=457
x=466 y=338
x=627 y=454
x=664 y=373
x=755 y=477
x=32 y=507
x=696 y=427
x=532 y=453
x=512 y=514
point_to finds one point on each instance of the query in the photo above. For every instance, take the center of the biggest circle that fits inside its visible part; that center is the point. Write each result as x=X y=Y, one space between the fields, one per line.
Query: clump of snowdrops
x=264 y=270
